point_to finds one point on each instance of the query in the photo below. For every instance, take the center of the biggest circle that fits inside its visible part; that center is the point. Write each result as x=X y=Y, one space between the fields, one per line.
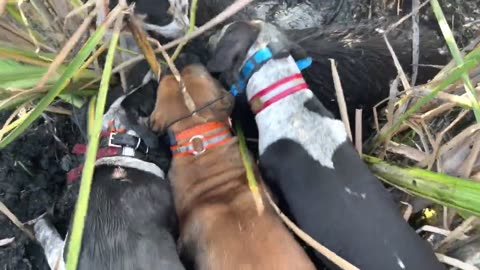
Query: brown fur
x=220 y=228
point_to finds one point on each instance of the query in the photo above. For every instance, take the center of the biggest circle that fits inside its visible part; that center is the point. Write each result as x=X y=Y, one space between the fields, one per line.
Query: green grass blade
x=457 y=56
x=24 y=76
x=76 y=3
x=21 y=76
x=64 y=80
x=87 y=173
x=74 y=100
x=13 y=12
x=40 y=58
x=446 y=190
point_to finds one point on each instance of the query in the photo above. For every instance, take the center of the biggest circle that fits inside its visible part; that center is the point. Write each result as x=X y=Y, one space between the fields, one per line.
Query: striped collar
x=277 y=91
x=196 y=140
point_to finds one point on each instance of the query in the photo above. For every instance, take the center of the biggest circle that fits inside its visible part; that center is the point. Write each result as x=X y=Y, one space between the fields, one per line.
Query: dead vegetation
x=428 y=142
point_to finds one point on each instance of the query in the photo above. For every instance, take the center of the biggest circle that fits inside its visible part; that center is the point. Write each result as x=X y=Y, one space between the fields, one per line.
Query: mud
x=32 y=181
x=33 y=168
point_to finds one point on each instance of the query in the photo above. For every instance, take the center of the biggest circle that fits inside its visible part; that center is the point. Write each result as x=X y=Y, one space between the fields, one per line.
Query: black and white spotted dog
x=306 y=156
x=168 y=18
x=131 y=222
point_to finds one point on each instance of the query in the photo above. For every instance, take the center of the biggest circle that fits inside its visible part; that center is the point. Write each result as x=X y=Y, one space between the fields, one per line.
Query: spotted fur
x=295 y=122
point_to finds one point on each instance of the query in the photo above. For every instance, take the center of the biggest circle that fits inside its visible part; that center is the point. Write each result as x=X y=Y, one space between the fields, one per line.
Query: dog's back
x=130 y=222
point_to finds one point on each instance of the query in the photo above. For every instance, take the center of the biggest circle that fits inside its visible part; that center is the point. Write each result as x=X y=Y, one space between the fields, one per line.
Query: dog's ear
x=297 y=51
x=231 y=50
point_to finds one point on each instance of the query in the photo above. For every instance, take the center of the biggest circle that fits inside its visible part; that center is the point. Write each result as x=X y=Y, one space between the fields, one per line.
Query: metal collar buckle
x=201 y=138
x=110 y=139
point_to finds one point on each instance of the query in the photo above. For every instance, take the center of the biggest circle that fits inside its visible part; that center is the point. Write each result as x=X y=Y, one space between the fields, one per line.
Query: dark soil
x=32 y=181
x=33 y=168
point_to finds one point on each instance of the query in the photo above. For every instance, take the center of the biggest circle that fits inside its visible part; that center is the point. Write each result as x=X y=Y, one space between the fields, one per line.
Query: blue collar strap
x=255 y=62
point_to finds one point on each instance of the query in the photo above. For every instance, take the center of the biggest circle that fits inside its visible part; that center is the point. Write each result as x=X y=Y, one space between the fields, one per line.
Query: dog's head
x=236 y=42
x=211 y=101
x=168 y=18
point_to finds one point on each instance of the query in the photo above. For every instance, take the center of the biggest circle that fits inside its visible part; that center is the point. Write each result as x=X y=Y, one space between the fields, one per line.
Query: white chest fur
x=288 y=118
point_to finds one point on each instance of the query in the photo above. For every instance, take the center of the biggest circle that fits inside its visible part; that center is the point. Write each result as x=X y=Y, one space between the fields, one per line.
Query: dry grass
x=431 y=126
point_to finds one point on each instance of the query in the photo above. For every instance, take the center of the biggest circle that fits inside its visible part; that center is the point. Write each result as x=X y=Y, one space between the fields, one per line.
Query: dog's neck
x=274 y=72
x=297 y=116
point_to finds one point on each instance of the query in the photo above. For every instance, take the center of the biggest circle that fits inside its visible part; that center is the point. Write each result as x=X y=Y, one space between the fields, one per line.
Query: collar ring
x=201 y=138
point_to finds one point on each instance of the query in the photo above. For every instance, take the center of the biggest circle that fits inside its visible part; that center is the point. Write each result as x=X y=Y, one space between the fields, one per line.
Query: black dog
x=131 y=222
x=305 y=154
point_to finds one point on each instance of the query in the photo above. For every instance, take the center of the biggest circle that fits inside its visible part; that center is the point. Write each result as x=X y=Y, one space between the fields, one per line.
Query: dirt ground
x=33 y=168
x=32 y=181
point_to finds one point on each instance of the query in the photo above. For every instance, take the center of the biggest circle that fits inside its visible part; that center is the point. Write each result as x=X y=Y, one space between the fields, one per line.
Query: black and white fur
x=306 y=156
x=363 y=61
x=131 y=222
x=168 y=18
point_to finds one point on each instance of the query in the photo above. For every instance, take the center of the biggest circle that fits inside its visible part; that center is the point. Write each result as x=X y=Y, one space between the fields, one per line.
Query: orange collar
x=196 y=140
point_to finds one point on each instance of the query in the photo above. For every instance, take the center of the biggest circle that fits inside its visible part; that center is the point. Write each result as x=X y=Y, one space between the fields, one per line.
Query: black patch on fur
x=156 y=10
x=366 y=230
x=314 y=105
x=232 y=49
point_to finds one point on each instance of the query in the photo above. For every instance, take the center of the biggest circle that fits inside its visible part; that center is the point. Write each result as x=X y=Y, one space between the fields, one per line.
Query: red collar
x=196 y=140
x=111 y=144
x=277 y=91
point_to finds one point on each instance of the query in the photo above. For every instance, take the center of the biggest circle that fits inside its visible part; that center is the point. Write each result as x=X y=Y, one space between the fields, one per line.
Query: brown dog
x=220 y=227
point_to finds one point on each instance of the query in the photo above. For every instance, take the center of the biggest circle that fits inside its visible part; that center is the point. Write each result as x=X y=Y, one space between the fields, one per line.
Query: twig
x=6 y=241
x=27 y=25
x=406 y=151
x=427 y=131
x=437 y=111
x=186 y=96
x=58 y=110
x=455 y=234
x=420 y=134
x=193 y=13
x=461 y=137
x=458 y=100
x=375 y=116
x=455 y=262
x=20 y=33
x=76 y=11
x=334 y=258
x=358 y=131
x=142 y=42
x=401 y=73
x=4 y=210
x=94 y=56
x=5 y=128
x=391 y=101
x=415 y=42
x=433 y=229
x=472 y=158
x=3 y=4
x=404 y=18
x=340 y=98
x=408 y=212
